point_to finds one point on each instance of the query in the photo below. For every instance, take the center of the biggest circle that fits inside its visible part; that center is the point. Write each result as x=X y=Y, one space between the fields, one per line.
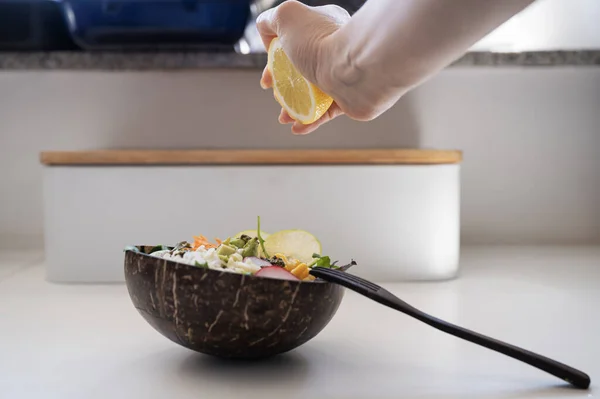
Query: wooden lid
x=253 y=157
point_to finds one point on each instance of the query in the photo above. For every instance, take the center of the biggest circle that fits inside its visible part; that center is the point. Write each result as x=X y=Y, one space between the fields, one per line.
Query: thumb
x=272 y=23
x=266 y=24
x=277 y=21
x=301 y=30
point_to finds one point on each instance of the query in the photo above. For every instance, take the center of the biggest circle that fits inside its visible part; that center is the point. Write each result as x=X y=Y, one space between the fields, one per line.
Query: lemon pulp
x=301 y=99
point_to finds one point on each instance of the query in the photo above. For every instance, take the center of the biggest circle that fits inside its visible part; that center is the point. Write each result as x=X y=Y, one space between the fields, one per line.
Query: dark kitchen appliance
x=156 y=24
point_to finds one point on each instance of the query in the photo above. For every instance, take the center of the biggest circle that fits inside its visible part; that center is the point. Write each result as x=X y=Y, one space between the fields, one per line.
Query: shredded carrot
x=201 y=240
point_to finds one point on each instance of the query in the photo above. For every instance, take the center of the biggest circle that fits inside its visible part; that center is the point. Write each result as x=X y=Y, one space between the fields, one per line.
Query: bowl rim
x=208 y=270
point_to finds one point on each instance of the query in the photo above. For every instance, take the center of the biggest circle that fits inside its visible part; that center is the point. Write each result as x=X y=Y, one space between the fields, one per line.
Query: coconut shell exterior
x=227 y=314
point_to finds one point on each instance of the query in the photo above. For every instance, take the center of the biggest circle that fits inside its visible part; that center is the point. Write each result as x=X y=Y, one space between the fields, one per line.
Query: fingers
x=269 y=23
x=266 y=24
x=299 y=129
x=266 y=80
x=285 y=118
x=277 y=21
x=333 y=112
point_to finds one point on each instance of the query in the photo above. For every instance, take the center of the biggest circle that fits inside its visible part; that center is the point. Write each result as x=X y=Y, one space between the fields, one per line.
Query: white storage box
x=396 y=212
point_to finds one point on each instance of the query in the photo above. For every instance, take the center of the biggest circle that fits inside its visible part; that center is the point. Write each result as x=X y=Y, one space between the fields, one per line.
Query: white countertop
x=87 y=341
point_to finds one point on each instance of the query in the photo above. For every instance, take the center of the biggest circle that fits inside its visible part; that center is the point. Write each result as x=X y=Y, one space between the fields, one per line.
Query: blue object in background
x=141 y=24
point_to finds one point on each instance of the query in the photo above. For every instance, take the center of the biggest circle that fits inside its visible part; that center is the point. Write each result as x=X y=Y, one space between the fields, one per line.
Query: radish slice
x=276 y=272
x=257 y=261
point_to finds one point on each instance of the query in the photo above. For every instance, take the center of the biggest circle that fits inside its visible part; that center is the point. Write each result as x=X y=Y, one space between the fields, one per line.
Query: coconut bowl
x=226 y=314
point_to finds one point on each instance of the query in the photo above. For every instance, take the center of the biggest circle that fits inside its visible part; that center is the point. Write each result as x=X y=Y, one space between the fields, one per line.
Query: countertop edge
x=181 y=61
x=251 y=157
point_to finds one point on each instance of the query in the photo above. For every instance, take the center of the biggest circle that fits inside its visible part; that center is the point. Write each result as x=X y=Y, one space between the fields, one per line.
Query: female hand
x=307 y=36
x=367 y=62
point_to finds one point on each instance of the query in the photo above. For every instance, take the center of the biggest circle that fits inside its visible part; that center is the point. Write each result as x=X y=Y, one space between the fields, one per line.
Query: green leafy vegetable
x=260 y=240
x=131 y=248
x=323 y=261
x=316 y=258
x=203 y=265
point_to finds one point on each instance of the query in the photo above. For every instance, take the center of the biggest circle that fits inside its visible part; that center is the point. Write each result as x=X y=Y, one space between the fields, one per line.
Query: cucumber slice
x=297 y=244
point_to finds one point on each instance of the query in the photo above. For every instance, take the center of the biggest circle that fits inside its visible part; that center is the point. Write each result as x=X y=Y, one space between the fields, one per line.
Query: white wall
x=531 y=137
x=548 y=25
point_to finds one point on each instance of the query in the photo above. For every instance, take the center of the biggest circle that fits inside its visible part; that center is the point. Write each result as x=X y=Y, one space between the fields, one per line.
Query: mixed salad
x=287 y=254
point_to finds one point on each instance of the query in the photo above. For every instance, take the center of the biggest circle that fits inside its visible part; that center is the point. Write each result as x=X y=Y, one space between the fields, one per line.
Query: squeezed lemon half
x=301 y=99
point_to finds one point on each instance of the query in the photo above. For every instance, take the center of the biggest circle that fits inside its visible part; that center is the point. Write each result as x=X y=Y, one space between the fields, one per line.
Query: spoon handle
x=372 y=291
x=566 y=373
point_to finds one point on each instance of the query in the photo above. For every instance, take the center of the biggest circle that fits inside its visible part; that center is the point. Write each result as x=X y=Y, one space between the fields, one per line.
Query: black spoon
x=573 y=376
